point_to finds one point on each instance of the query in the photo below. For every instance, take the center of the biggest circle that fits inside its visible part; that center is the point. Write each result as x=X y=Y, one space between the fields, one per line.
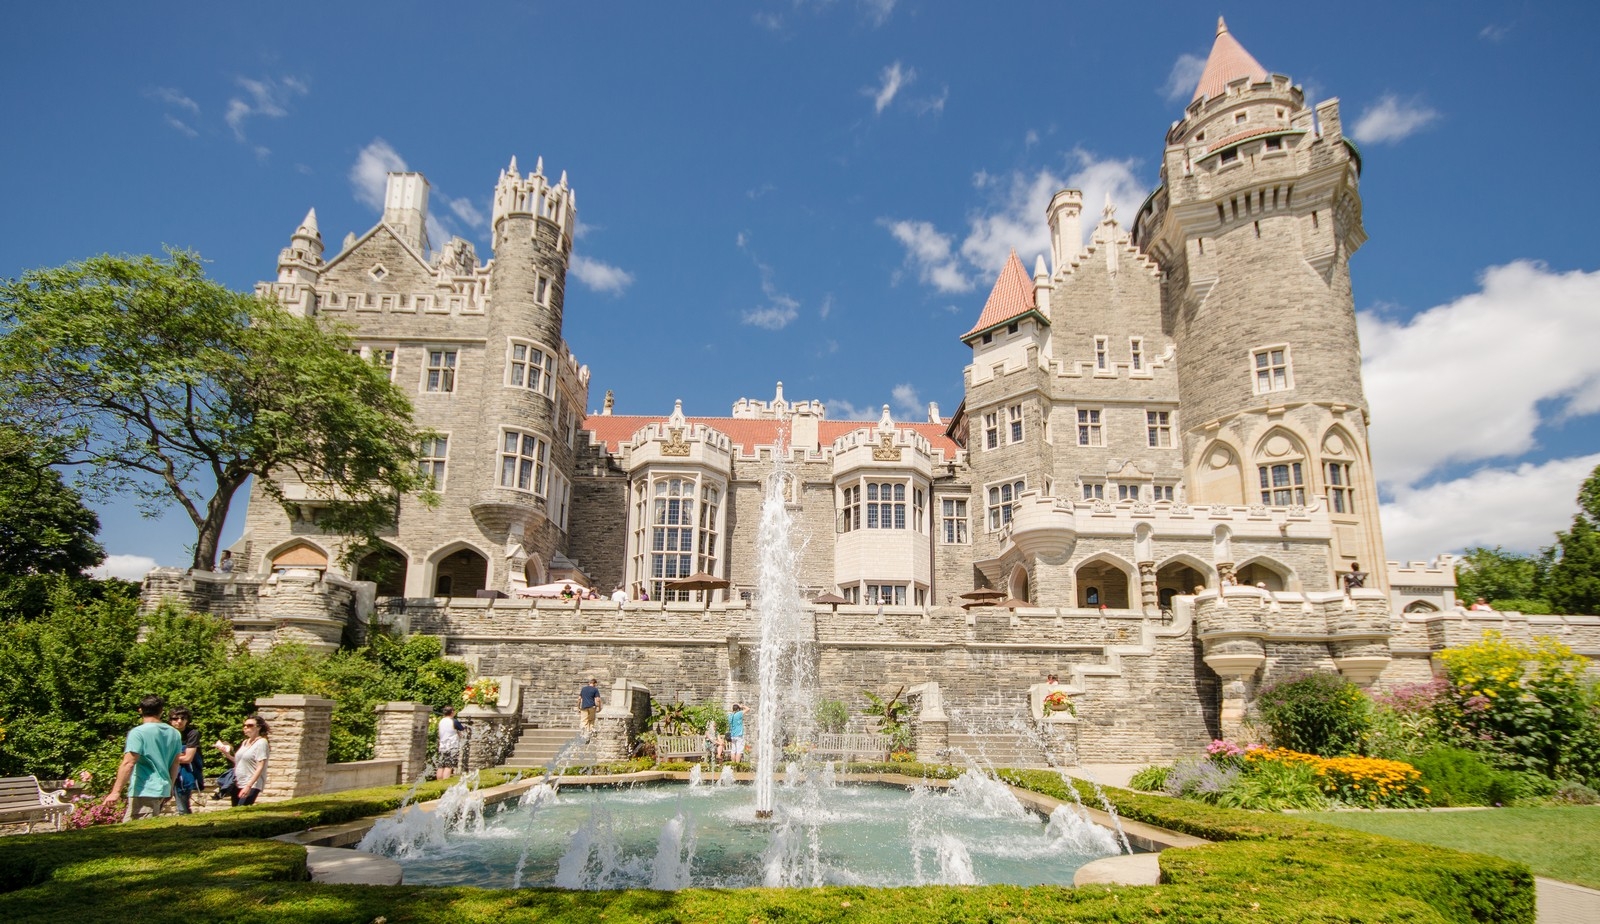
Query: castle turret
x=1066 y=234
x=1254 y=225
x=301 y=261
x=405 y=209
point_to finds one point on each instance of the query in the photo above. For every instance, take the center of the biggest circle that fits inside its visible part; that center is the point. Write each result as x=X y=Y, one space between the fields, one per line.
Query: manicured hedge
x=1265 y=868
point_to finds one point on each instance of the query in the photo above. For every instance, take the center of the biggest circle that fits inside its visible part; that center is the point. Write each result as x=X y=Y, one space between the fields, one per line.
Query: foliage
x=893 y=716
x=44 y=526
x=1059 y=701
x=1573 y=583
x=167 y=385
x=1361 y=782
x=669 y=718
x=833 y=716
x=699 y=716
x=1531 y=706
x=221 y=867
x=1272 y=785
x=1319 y=713
x=1460 y=777
x=1150 y=779
x=1528 y=606
x=86 y=813
x=1571 y=793
x=1203 y=780
x=70 y=680
x=1404 y=720
x=1498 y=576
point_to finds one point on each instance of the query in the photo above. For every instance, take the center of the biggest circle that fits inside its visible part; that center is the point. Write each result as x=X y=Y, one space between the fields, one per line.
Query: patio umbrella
x=983 y=593
x=700 y=580
x=1011 y=603
x=833 y=599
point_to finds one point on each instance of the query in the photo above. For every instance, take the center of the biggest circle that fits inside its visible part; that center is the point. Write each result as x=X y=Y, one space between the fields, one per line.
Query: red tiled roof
x=747 y=433
x=1228 y=62
x=1012 y=296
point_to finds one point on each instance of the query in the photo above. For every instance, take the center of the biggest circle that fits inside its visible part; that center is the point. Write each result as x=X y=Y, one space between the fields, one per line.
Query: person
x=736 y=734
x=589 y=704
x=450 y=729
x=592 y=594
x=149 y=761
x=1051 y=679
x=644 y=595
x=713 y=744
x=249 y=761
x=619 y=596
x=567 y=593
x=1355 y=577
x=1482 y=606
x=226 y=565
x=191 y=776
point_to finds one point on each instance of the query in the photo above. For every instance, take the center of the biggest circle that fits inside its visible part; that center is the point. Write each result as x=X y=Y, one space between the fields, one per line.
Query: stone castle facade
x=1161 y=458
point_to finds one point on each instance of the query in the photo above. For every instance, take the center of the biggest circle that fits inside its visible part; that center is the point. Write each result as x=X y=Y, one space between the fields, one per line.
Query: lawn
x=1560 y=842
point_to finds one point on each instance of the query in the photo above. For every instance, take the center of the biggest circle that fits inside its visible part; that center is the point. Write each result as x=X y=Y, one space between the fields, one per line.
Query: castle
x=1162 y=442
x=1171 y=405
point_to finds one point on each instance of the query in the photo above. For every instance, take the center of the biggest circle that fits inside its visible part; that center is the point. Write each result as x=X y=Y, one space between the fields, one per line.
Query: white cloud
x=930 y=104
x=1391 y=119
x=601 y=277
x=266 y=97
x=826 y=308
x=930 y=253
x=173 y=97
x=369 y=176
x=775 y=316
x=127 y=567
x=1466 y=381
x=1183 y=78
x=466 y=211
x=877 y=11
x=179 y=124
x=894 y=79
x=1017 y=219
x=906 y=402
x=1494 y=32
x=840 y=409
x=1519 y=508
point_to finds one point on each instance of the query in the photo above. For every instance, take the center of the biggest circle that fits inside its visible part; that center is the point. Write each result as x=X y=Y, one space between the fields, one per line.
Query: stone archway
x=460 y=573
x=1101 y=582
x=385 y=567
x=1262 y=571
x=1018 y=585
x=300 y=554
x=1179 y=576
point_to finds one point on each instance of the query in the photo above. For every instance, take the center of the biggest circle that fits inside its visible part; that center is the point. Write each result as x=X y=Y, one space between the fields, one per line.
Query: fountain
x=821 y=832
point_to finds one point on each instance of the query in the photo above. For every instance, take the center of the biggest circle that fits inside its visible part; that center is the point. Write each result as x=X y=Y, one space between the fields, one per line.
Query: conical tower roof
x=1228 y=62
x=1011 y=297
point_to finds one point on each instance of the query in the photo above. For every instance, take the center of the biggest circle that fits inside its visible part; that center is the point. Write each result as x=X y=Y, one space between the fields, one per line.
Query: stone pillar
x=403 y=736
x=492 y=731
x=1224 y=573
x=623 y=714
x=931 y=730
x=1147 y=587
x=297 y=742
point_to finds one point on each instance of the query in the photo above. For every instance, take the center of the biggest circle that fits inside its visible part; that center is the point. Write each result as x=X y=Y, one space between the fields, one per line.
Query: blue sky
x=822 y=192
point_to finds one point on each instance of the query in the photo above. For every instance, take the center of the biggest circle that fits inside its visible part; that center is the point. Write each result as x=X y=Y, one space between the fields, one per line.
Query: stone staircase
x=537 y=747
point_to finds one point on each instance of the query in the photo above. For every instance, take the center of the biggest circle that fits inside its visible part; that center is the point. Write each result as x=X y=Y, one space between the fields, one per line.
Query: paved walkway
x=1565 y=903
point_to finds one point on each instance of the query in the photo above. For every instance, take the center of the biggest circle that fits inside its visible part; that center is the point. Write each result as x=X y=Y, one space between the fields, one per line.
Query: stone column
x=931 y=729
x=297 y=742
x=403 y=736
x=1147 y=587
x=492 y=731
x=1224 y=573
x=624 y=712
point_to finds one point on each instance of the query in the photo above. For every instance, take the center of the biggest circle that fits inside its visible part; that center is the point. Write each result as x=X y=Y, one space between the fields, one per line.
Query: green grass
x=1558 y=842
x=1262 y=867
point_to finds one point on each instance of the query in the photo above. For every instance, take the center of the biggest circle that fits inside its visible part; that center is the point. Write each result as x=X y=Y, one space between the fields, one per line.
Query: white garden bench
x=23 y=801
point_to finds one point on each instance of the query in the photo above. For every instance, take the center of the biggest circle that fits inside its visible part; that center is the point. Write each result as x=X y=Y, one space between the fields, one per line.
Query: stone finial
x=563 y=179
x=308 y=227
x=884 y=422
x=538 y=166
x=1222 y=25
x=778 y=396
x=933 y=407
x=677 y=419
x=611 y=401
x=513 y=168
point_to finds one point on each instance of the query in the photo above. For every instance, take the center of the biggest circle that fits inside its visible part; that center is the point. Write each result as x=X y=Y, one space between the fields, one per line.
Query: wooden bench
x=22 y=800
x=852 y=747
x=680 y=747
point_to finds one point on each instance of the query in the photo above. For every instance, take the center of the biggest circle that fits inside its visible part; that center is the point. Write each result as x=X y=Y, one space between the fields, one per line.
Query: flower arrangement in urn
x=1058 y=701
x=482 y=692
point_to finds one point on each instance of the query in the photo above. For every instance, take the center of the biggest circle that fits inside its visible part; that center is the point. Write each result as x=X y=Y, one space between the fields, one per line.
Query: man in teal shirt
x=149 y=762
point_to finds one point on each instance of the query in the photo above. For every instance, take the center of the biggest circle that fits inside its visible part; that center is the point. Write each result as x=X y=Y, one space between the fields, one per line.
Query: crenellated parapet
x=1241 y=628
x=679 y=440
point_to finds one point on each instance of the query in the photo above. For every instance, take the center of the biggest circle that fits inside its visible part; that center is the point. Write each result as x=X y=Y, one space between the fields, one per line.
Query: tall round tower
x=527 y=402
x=1254 y=224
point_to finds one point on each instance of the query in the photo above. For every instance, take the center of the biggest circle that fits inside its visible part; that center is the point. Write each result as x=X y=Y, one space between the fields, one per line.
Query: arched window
x=1281 y=470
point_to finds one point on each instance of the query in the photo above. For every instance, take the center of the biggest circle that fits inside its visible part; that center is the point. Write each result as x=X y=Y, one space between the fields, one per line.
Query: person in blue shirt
x=589 y=704
x=736 y=733
x=149 y=762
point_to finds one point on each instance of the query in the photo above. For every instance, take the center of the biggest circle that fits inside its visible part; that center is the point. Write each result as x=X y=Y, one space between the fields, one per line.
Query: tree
x=168 y=385
x=1573 y=581
x=1497 y=575
x=44 y=526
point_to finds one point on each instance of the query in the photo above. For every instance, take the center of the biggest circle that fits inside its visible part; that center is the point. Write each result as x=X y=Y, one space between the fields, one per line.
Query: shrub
x=1574 y=793
x=1404 y=721
x=1150 y=779
x=1200 y=779
x=832 y=716
x=1530 y=705
x=1319 y=713
x=1524 y=605
x=1459 y=777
